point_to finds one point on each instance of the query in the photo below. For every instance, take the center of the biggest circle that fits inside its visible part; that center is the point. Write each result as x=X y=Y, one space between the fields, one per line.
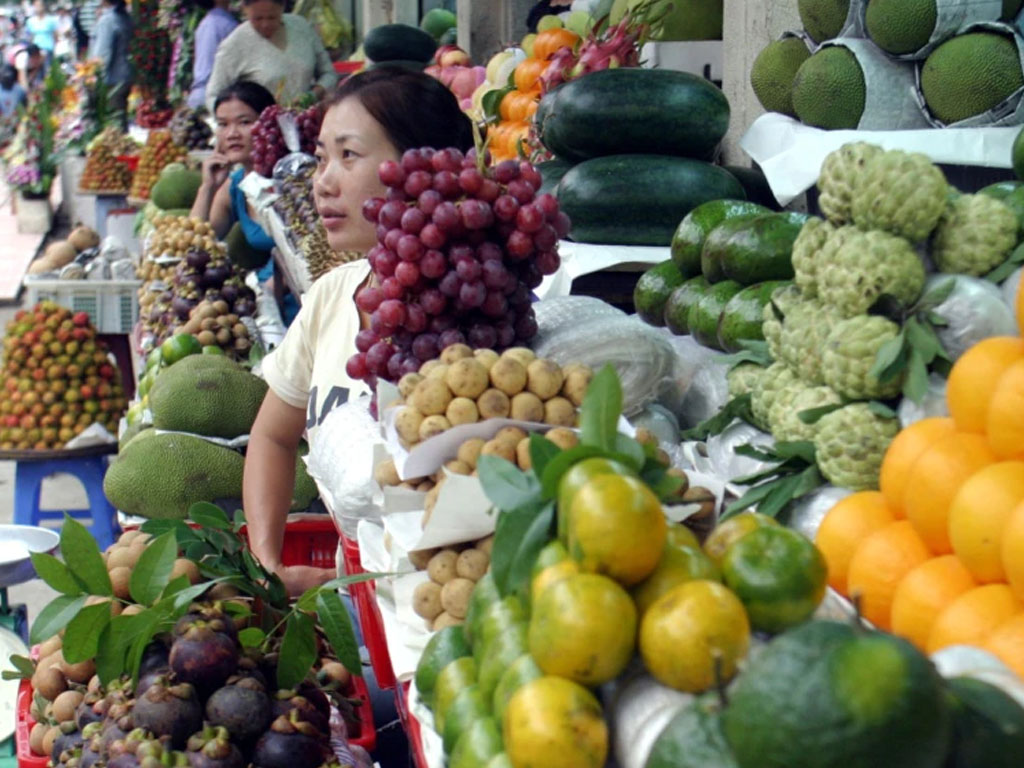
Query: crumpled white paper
x=93 y=435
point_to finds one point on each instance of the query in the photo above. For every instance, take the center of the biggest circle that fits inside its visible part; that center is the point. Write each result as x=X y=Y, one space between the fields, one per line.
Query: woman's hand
x=298 y=578
x=215 y=170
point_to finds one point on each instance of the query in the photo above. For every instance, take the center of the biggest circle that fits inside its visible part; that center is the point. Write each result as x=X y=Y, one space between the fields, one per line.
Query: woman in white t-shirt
x=373 y=117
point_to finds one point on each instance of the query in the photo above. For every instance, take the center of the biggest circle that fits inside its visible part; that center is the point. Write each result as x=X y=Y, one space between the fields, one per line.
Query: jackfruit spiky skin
x=829 y=90
x=970 y=74
x=839 y=171
x=775 y=378
x=772 y=73
x=902 y=193
x=804 y=330
x=850 y=444
x=812 y=238
x=176 y=188
x=974 y=236
x=823 y=19
x=866 y=266
x=786 y=423
x=850 y=353
x=744 y=378
x=771 y=326
x=900 y=26
x=160 y=476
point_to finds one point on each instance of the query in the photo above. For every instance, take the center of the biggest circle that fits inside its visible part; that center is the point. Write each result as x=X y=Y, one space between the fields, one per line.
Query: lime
x=479 y=745
x=484 y=593
x=153 y=359
x=212 y=349
x=778 y=574
x=682 y=536
x=444 y=646
x=179 y=346
x=732 y=530
x=519 y=673
x=501 y=652
x=457 y=675
x=468 y=706
x=548 y=22
x=678 y=564
x=497 y=619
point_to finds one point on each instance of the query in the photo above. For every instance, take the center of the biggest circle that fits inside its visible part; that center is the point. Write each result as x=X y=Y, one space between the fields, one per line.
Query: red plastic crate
x=412 y=728
x=310 y=542
x=23 y=727
x=364 y=595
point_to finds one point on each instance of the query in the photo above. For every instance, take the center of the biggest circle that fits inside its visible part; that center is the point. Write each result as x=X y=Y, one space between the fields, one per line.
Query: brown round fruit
x=185 y=567
x=120 y=578
x=64 y=706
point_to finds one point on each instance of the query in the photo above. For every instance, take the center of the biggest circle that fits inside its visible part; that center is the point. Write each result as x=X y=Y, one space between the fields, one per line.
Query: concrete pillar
x=377 y=12
x=487 y=26
x=749 y=26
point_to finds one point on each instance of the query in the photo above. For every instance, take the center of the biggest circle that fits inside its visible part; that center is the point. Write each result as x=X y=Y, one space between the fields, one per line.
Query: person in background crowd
x=30 y=64
x=81 y=36
x=12 y=95
x=216 y=25
x=88 y=12
x=64 y=48
x=42 y=26
x=110 y=46
x=280 y=51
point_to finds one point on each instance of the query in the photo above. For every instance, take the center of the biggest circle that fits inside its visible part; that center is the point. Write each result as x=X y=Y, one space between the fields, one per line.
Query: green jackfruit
x=773 y=71
x=900 y=26
x=206 y=395
x=240 y=252
x=161 y=476
x=176 y=189
x=823 y=19
x=305 y=491
x=969 y=74
x=829 y=90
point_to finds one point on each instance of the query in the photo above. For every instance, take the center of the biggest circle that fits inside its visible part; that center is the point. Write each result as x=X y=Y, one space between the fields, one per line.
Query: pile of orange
x=517 y=107
x=937 y=554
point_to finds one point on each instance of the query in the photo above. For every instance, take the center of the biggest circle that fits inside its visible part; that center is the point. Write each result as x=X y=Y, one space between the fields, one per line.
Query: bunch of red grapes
x=459 y=250
x=268 y=144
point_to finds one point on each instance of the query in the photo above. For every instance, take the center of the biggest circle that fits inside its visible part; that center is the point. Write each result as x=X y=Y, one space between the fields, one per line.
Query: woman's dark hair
x=247 y=3
x=118 y=6
x=249 y=93
x=415 y=109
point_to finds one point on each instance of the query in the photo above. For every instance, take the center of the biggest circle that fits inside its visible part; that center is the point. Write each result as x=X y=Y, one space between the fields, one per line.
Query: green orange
x=180 y=345
x=732 y=530
x=575 y=478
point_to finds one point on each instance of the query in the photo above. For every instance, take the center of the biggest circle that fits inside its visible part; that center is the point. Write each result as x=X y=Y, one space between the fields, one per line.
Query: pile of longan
x=177 y=235
x=444 y=600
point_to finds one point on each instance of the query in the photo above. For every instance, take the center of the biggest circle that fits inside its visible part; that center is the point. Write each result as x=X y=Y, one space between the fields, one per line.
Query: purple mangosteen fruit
x=242 y=706
x=197 y=258
x=286 y=700
x=212 y=748
x=70 y=739
x=204 y=657
x=291 y=742
x=168 y=709
x=211 y=613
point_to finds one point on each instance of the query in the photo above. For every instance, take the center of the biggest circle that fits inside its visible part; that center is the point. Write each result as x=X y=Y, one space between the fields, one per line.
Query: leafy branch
x=794 y=474
x=1008 y=267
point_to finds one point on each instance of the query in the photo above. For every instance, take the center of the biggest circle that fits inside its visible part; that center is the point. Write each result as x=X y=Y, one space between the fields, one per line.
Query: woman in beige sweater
x=280 y=51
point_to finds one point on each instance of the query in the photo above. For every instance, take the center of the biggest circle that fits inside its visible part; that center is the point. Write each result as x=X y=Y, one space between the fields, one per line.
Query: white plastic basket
x=112 y=305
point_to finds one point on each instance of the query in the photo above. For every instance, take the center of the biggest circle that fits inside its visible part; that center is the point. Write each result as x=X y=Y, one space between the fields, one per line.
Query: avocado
x=705 y=314
x=743 y=315
x=1001 y=189
x=694 y=228
x=204 y=395
x=653 y=289
x=714 y=244
x=761 y=249
x=677 y=308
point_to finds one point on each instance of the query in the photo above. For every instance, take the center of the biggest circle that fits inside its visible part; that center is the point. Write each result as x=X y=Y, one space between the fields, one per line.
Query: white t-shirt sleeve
x=288 y=369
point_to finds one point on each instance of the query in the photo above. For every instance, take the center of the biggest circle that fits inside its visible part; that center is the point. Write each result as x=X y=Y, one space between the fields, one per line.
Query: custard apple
x=850 y=352
x=744 y=378
x=808 y=244
x=774 y=379
x=975 y=235
x=902 y=193
x=866 y=266
x=804 y=330
x=771 y=326
x=850 y=444
x=785 y=422
x=839 y=172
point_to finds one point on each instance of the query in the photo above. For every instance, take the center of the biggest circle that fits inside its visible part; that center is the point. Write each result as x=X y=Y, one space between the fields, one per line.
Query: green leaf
x=184 y=598
x=82 y=634
x=175 y=586
x=881 y=409
x=813 y=415
x=55 y=573
x=491 y=102
x=153 y=570
x=630 y=452
x=748 y=499
x=355 y=578
x=199 y=550
x=506 y=485
x=915 y=386
x=158 y=527
x=752 y=351
x=333 y=618
x=755 y=452
x=208 y=515
x=55 y=616
x=509 y=531
x=23 y=668
x=737 y=408
x=922 y=339
x=537 y=534
x=115 y=640
x=561 y=464
x=542 y=452
x=1007 y=268
x=936 y=320
x=666 y=486
x=796 y=449
x=82 y=556
x=888 y=359
x=298 y=650
x=934 y=297
x=602 y=406
x=251 y=637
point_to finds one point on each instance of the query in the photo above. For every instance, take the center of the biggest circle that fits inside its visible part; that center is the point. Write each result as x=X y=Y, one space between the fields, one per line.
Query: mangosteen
x=94 y=746
x=211 y=613
x=243 y=707
x=204 y=657
x=182 y=306
x=70 y=738
x=89 y=711
x=197 y=258
x=70 y=758
x=124 y=760
x=169 y=710
x=212 y=748
x=128 y=745
x=244 y=307
x=211 y=294
x=214 y=277
x=287 y=700
x=146 y=680
x=315 y=695
x=229 y=292
x=291 y=742
x=119 y=719
x=157 y=754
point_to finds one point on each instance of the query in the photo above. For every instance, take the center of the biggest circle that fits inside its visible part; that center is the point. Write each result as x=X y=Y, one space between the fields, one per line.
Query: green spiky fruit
x=970 y=74
x=975 y=235
x=771 y=325
x=813 y=236
x=773 y=71
x=804 y=330
x=744 y=378
x=850 y=444
x=900 y=26
x=902 y=193
x=850 y=352
x=823 y=19
x=829 y=90
x=787 y=425
x=839 y=171
x=774 y=379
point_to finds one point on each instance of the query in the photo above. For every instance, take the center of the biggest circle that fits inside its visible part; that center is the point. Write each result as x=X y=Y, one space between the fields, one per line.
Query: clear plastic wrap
x=1011 y=287
x=555 y=316
x=932 y=405
x=701 y=379
x=659 y=420
x=293 y=164
x=974 y=311
x=721 y=451
x=113 y=249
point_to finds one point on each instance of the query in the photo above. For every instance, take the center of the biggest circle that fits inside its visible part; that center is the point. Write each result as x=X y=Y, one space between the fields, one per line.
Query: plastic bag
x=293 y=164
x=721 y=451
x=974 y=311
x=659 y=420
x=698 y=389
x=1011 y=288
x=113 y=248
x=932 y=405
x=805 y=514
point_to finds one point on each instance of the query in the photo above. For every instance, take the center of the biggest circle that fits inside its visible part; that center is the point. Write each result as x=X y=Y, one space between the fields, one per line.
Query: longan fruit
x=438 y=372
x=385 y=473
x=119 y=579
x=128 y=537
x=493 y=404
x=454 y=352
x=487 y=357
x=462 y=410
x=485 y=544
x=426 y=600
x=50 y=682
x=36 y=737
x=185 y=567
x=467 y=377
x=498 y=448
x=408 y=383
x=407 y=424
x=559 y=412
x=511 y=435
x=431 y=396
x=441 y=567
x=420 y=558
x=577 y=379
x=524 y=355
x=52 y=734
x=457 y=467
x=80 y=673
x=433 y=425
x=64 y=706
x=124 y=557
x=49 y=646
x=428 y=366
x=445 y=619
x=472 y=564
x=562 y=437
x=526 y=406
x=544 y=378
x=469 y=451
x=523 y=455
x=508 y=375
x=425 y=485
x=455 y=597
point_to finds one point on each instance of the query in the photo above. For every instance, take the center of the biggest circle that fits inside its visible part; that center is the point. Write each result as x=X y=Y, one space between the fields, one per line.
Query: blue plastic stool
x=28 y=482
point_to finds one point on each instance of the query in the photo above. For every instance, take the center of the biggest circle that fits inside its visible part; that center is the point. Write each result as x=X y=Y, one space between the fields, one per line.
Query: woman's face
x=265 y=16
x=235 y=120
x=350 y=149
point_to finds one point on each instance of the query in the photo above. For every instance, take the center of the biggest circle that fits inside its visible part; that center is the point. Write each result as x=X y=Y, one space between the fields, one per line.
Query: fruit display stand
x=112 y=305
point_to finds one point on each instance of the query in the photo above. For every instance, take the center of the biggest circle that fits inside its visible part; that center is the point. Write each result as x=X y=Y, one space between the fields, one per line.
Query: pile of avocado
x=728 y=257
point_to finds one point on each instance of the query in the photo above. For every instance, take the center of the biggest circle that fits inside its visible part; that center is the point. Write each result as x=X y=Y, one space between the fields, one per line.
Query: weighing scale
x=16 y=542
